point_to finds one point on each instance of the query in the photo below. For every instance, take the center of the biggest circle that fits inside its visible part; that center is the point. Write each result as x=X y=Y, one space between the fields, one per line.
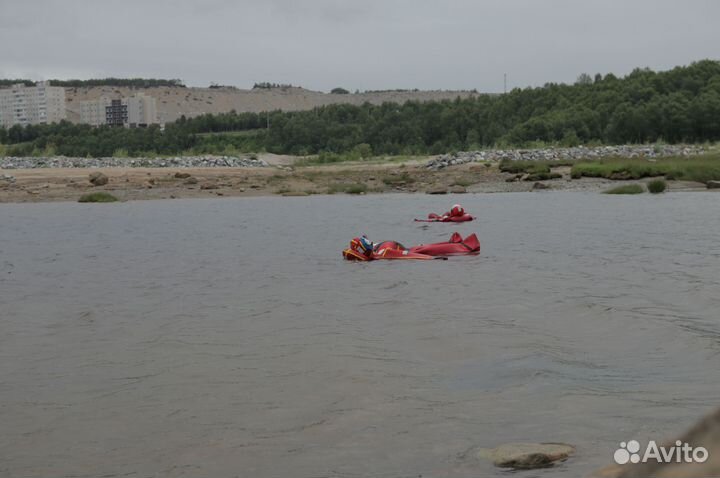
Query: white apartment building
x=93 y=111
x=37 y=104
x=142 y=110
x=135 y=111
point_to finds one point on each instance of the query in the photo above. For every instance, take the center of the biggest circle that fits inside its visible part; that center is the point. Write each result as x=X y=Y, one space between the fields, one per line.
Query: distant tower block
x=39 y=104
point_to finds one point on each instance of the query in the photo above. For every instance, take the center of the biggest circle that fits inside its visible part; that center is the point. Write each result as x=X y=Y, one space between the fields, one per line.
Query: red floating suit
x=456 y=246
x=432 y=217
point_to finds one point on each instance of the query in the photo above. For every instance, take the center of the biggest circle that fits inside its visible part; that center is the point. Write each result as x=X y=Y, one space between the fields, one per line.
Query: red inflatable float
x=361 y=249
x=456 y=246
x=445 y=218
x=455 y=214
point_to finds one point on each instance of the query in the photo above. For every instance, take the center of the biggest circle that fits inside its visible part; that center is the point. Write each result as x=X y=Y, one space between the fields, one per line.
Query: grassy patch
x=328 y=158
x=354 y=156
x=657 y=186
x=397 y=180
x=626 y=189
x=531 y=167
x=543 y=176
x=699 y=168
x=356 y=189
x=97 y=197
x=464 y=182
x=276 y=179
x=519 y=167
x=353 y=188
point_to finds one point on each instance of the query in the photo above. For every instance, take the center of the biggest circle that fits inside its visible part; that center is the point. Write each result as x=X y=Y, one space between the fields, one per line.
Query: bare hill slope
x=173 y=102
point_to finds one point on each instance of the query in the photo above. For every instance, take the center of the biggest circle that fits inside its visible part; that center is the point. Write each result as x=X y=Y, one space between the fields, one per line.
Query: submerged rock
x=526 y=456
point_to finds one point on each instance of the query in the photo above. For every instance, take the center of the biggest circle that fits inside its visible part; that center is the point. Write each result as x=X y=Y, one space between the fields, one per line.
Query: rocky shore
x=208 y=161
x=66 y=179
x=563 y=154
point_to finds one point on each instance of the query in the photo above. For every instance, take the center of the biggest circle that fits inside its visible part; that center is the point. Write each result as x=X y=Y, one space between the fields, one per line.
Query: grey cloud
x=371 y=44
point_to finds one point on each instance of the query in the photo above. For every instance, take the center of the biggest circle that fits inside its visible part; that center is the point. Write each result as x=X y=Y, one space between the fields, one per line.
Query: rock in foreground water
x=526 y=456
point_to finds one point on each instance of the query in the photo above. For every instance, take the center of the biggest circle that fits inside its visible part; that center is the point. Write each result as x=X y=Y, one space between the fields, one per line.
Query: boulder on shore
x=98 y=179
x=713 y=184
x=437 y=190
x=527 y=456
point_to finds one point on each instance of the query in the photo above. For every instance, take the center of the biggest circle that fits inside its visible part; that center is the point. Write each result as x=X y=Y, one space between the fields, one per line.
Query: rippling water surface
x=221 y=338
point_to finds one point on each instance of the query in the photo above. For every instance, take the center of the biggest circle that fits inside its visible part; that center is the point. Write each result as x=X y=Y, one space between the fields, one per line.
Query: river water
x=222 y=338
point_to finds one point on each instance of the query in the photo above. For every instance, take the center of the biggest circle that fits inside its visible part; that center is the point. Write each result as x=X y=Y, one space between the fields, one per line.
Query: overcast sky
x=356 y=44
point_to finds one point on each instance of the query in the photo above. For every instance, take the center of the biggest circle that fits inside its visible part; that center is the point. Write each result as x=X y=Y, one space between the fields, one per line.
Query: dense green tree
x=682 y=104
x=128 y=82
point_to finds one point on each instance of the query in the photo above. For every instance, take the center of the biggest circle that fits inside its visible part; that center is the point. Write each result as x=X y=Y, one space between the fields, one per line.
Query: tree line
x=679 y=105
x=127 y=82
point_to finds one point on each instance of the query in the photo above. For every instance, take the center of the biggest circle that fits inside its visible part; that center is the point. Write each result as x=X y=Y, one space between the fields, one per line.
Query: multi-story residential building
x=93 y=112
x=142 y=110
x=135 y=111
x=37 y=104
x=116 y=113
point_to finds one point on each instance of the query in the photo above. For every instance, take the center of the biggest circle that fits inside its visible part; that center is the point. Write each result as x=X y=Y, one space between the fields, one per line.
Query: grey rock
x=437 y=190
x=98 y=179
x=713 y=184
x=539 y=186
x=525 y=456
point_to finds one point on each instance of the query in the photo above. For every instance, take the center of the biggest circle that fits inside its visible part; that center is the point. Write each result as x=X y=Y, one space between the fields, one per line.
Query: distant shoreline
x=411 y=176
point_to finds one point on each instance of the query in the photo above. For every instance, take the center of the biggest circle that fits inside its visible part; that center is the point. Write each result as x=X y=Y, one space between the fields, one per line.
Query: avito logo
x=680 y=453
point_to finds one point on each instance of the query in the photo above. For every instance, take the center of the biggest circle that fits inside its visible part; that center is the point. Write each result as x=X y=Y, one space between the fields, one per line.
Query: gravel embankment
x=172 y=162
x=575 y=153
